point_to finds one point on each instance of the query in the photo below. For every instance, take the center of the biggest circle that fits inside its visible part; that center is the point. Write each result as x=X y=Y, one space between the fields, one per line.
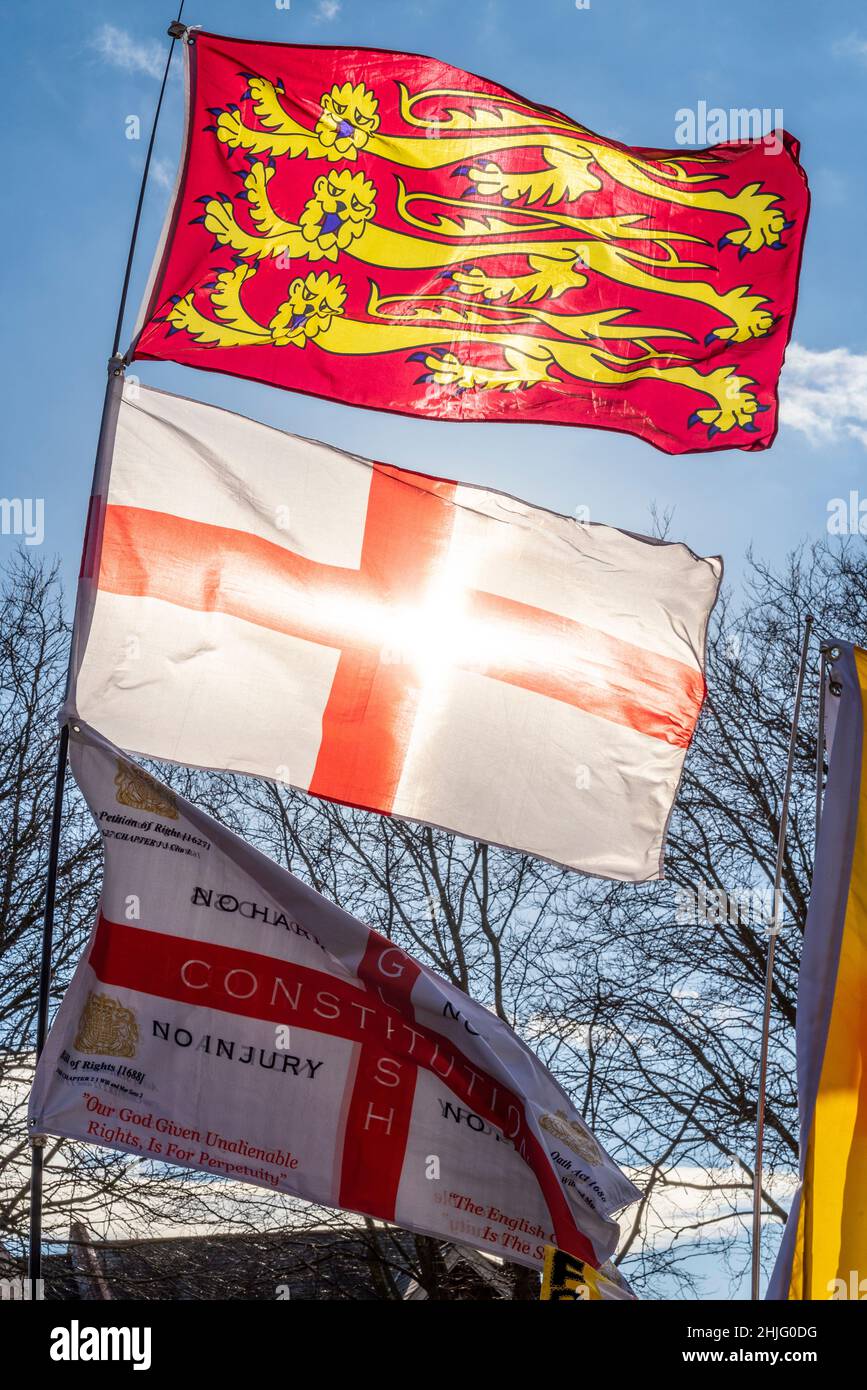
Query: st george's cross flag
x=823 y=1253
x=385 y=230
x=227 y=1018
x=256 y=602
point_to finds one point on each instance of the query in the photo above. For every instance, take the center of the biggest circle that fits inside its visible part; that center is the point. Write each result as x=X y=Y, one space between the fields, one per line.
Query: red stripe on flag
x=90 y=545
x=377 y=1129
x=380 y=1111
x=181 y=969
x=388 y=970
x=211 y=569
x=369 y=714
x=591 y=670
x=371 y=709
x=245 y=983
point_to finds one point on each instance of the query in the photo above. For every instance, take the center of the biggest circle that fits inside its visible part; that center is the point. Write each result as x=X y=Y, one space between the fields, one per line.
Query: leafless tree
x=648 y=1018
x=677 y=1004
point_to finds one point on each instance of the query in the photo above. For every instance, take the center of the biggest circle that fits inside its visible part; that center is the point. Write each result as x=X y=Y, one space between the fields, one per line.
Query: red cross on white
x=390 y=640
x=240 y=1024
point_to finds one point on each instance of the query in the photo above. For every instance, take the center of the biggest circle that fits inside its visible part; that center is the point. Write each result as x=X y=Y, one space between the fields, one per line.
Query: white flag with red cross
x=227 y=1018
x=257 y=602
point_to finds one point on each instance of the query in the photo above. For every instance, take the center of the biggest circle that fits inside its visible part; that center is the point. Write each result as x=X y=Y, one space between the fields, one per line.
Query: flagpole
x=176 y=31
x=769 y=971
x=820 y=744
x=37 y=1141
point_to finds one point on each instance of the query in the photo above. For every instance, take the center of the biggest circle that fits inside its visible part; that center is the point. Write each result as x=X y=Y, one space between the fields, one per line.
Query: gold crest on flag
x=106 y=1028
x=580 y=1140
x=138 y=789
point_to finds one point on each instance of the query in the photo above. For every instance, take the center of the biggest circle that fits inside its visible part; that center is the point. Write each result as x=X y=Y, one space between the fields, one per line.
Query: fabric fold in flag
x=385 y=230
x=823 y=1254
x=256 y=602
x=227 y=1018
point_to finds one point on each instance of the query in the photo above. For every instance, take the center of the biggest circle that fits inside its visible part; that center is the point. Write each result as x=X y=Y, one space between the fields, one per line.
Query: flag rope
x=176 y=30
x=769 y=972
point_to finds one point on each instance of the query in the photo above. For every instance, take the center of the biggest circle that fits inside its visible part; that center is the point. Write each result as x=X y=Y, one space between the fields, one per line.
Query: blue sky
x=73 y=73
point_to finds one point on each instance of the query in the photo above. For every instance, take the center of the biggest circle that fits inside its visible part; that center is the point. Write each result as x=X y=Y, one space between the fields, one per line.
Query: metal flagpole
x=176 y=31
x=769 y=971
x=820 y=743
x=37 y=1141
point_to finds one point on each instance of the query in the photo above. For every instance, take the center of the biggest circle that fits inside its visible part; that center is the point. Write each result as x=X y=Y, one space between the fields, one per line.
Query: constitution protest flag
x=385 y=230
x=227 y=1018
x=255 y=602
x=823 y=1254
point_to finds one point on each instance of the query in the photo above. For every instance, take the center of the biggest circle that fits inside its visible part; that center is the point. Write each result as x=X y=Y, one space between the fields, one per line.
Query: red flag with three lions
x=385 y=230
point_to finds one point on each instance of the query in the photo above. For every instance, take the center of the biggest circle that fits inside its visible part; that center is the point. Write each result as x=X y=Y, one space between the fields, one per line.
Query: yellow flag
x=566 y=1279
x=824 y=1250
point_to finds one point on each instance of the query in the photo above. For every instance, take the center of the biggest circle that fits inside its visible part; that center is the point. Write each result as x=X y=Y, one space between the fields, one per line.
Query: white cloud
x=120 y=50
x=853 y=46
x=824 y=394
x=326 y=10
x=163 y=173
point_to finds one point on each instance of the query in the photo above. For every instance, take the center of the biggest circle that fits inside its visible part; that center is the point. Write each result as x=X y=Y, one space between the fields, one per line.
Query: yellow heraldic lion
x=333 y=219
x=349 y=121
x=311 y=305
x=339 y=216
x=348 y=118
x=314 y=311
